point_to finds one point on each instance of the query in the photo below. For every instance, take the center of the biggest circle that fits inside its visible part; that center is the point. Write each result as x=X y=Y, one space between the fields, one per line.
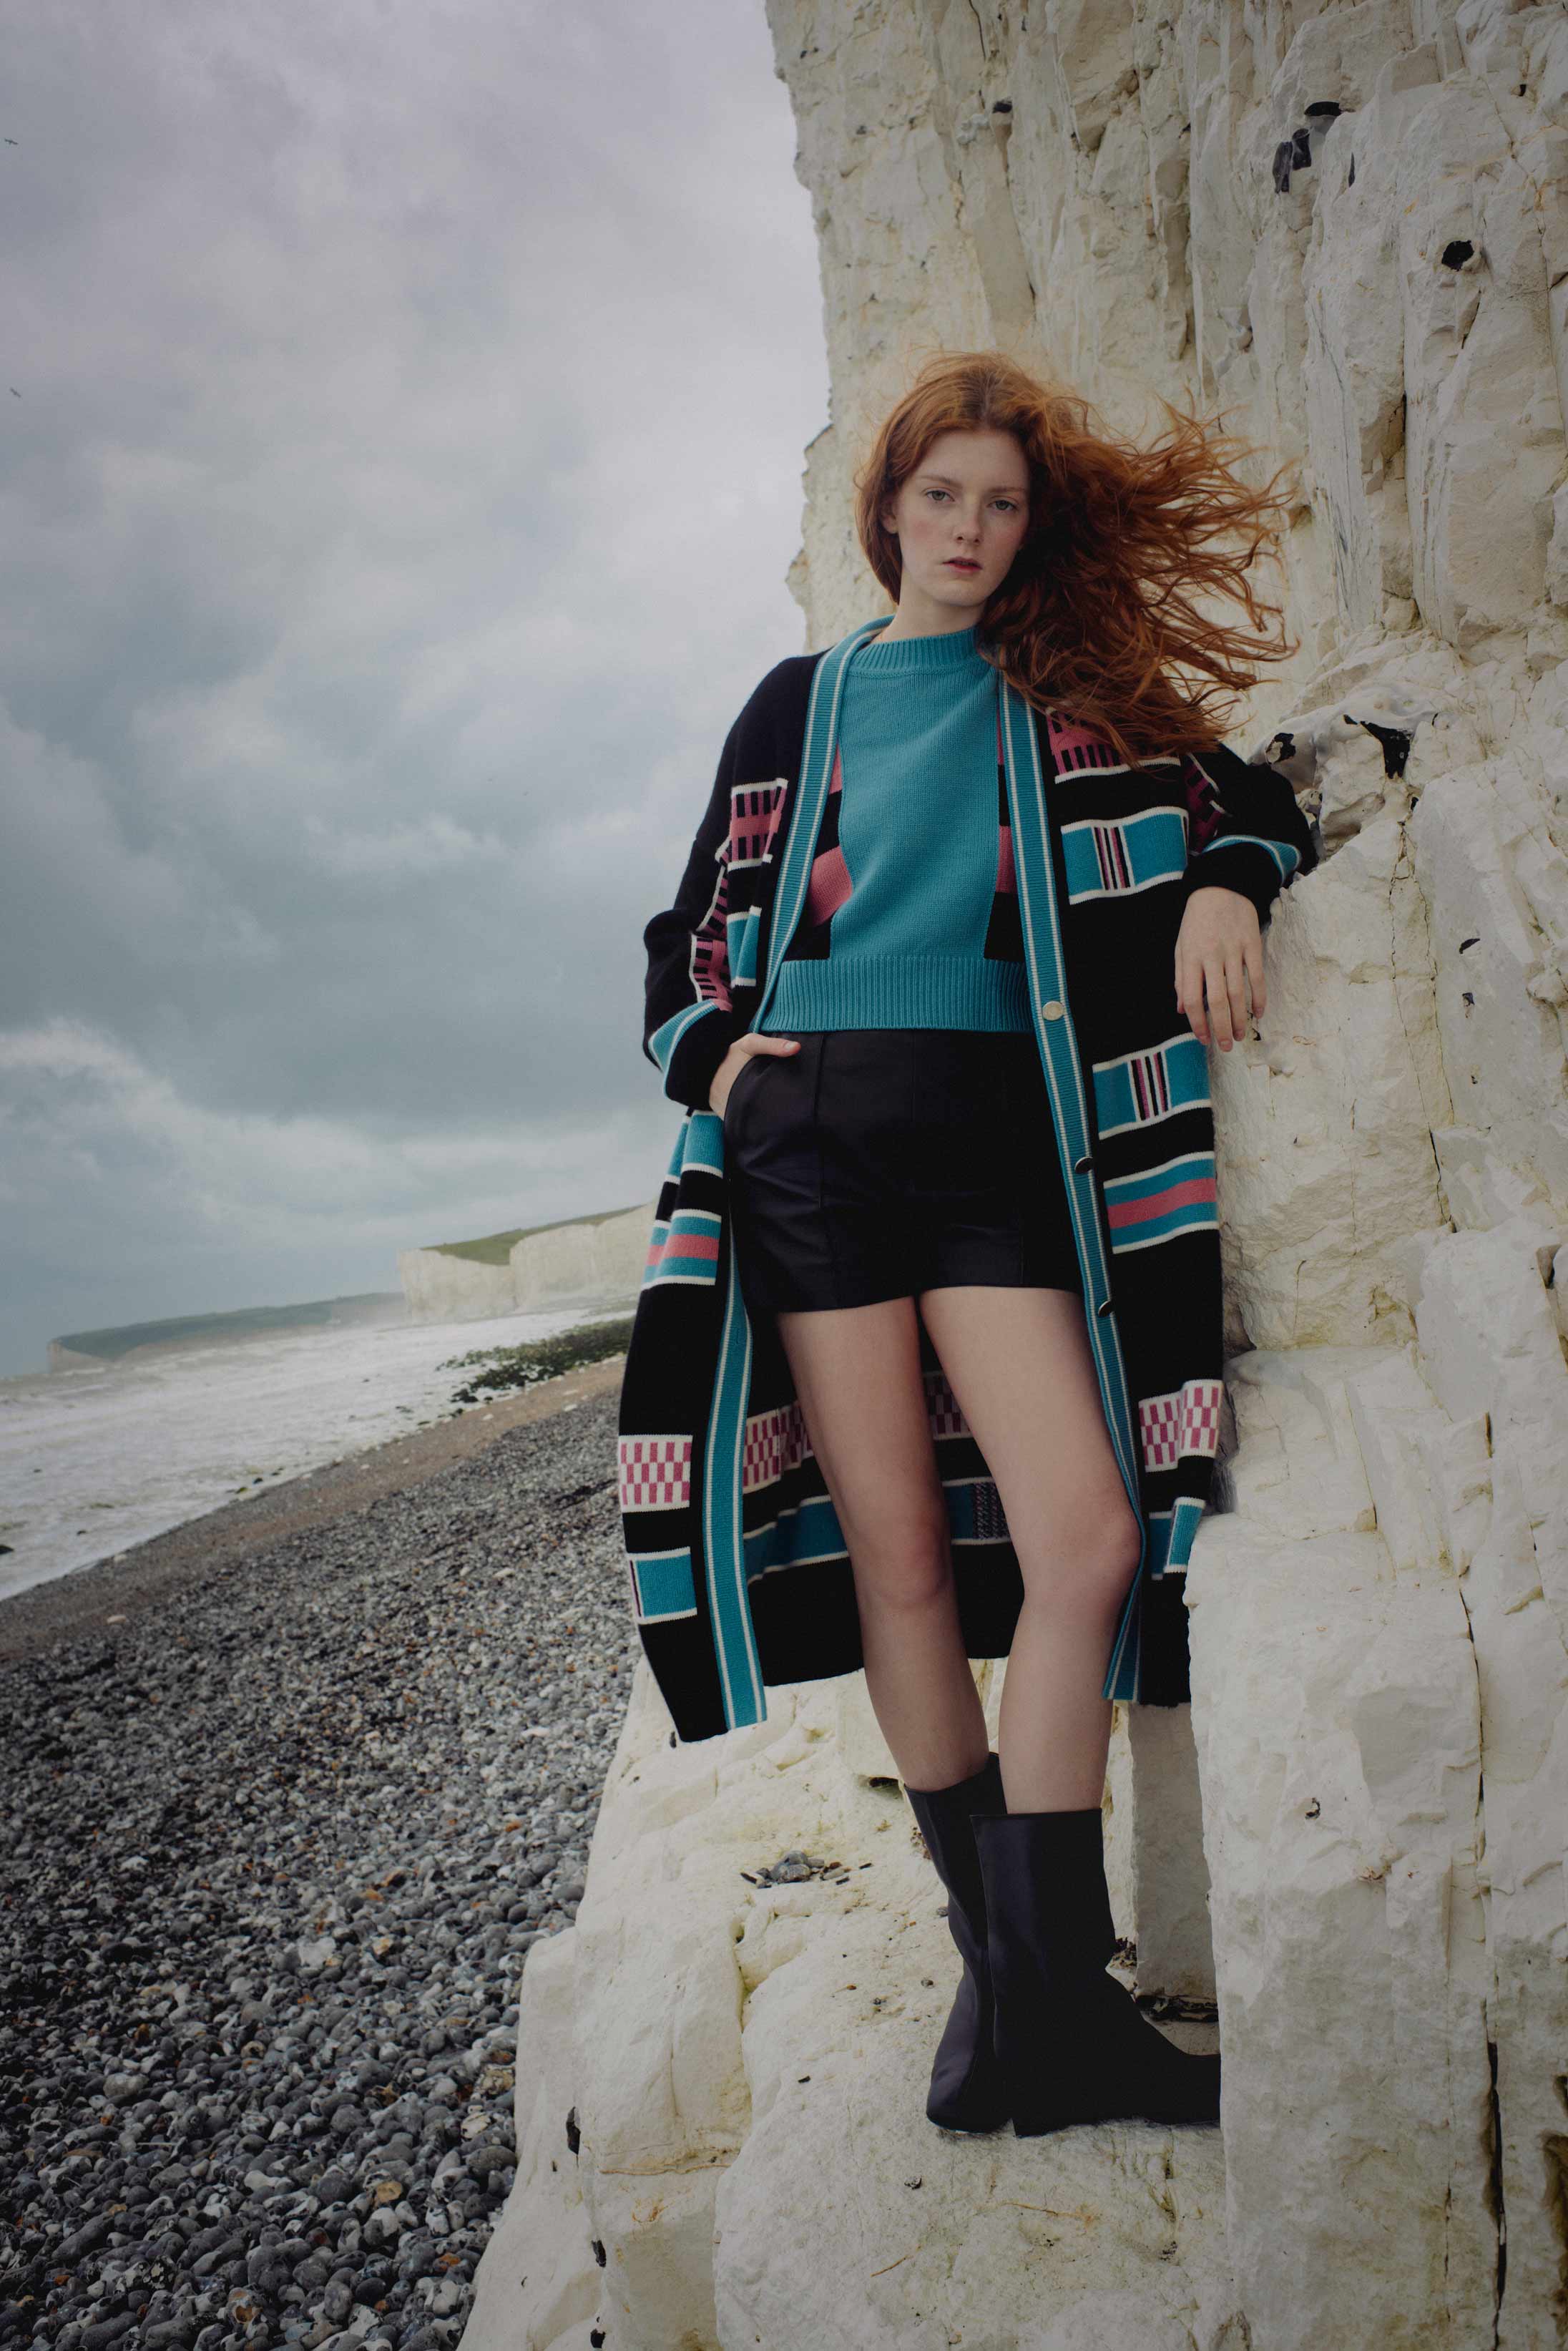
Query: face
x=959 y=519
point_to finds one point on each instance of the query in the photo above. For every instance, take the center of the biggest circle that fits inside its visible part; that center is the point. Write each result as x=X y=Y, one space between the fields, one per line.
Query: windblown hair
x=1097 y=615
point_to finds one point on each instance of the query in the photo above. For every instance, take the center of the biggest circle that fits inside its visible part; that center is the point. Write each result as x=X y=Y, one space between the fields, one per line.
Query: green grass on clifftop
x=496 y=1248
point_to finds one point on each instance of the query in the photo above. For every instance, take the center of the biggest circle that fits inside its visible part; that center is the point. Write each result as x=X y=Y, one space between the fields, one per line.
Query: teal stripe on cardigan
x=663 y=1585
x=1105 y=859
x=1142 y=1087
x=816 y=772
x=734 y=1636
x=741 y=931
x=1281 y=852
x=1173 y=1532
x=702 y=1141
x=813 y=1531
x=797 y=1538
x=1184 y=1517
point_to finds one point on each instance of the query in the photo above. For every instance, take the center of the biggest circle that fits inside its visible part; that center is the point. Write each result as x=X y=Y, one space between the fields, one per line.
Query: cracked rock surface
x=1345 y=230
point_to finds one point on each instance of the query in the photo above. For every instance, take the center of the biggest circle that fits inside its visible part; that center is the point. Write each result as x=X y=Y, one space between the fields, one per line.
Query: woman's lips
x=958 y=563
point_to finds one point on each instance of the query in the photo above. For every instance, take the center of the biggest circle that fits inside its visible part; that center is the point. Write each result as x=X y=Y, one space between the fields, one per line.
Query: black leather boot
x=1071 y=2044
x=965 y=2085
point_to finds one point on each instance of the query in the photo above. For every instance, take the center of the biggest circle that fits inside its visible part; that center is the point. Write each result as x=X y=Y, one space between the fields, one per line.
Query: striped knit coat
x=739 y=1572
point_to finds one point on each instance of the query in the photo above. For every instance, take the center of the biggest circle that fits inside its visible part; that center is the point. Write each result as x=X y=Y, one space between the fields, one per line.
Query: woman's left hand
x=1220 y=940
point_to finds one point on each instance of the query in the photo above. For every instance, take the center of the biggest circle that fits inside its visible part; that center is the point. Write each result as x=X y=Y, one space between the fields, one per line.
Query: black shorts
x=877 y=1163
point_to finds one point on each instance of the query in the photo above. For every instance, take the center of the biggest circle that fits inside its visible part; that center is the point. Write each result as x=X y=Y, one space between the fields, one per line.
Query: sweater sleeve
x=1245 y=830
x=689 y=1022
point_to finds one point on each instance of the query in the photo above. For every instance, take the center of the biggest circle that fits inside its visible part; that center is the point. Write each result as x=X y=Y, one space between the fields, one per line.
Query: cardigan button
x=1052 y=1010
x=1081 y=1166
x=1103 y=1307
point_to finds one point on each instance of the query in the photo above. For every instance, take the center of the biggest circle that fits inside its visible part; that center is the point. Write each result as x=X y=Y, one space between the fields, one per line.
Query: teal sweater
x=917 y=828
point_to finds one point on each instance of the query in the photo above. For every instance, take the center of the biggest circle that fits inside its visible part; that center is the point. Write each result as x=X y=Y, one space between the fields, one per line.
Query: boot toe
x=1123 y=2069
x=976 y=2104
x=966 y=2093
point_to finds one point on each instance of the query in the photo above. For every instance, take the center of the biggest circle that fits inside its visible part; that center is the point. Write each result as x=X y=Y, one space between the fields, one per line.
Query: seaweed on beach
x=540 y=1359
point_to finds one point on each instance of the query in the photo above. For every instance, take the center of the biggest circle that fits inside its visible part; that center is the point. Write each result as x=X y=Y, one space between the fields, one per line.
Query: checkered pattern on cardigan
x=738 y=1569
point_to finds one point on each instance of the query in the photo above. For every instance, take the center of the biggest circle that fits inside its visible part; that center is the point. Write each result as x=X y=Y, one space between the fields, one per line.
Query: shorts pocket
x=739 y=1084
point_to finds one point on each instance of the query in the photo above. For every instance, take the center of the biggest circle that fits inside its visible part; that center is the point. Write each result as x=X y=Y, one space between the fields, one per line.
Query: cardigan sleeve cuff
x=1251 y=867
x=696 y=1053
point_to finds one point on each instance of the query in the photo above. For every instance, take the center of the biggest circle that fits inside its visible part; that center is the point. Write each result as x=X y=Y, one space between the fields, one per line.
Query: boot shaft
x=1044 y=1876
x=946 y=1817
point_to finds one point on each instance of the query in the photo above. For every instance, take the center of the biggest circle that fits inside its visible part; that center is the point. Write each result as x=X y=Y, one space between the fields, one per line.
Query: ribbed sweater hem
x=910 y=991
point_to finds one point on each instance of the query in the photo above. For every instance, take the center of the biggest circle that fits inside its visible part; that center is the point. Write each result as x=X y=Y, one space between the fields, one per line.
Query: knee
x=1092 y=1563
x=908 y=1568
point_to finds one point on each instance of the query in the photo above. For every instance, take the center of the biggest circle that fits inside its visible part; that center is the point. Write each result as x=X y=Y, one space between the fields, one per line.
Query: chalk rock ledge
x=721 y=2083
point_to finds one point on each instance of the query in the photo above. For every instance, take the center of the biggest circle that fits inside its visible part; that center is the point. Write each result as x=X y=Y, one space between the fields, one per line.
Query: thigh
x=858 y=1374
x=1019 y=1362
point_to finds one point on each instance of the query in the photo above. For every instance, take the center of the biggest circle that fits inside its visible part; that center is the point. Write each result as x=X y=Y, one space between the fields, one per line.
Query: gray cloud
x=407 y=461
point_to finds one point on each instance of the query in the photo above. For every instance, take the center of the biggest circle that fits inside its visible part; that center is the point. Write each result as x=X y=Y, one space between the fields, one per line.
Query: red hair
x=1097 y=608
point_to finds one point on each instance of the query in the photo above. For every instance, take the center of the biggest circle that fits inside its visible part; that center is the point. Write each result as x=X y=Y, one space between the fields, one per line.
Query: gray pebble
x=271 y=1855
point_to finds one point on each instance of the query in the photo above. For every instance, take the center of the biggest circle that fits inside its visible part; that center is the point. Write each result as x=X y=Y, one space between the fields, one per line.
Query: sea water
x=92 y=1460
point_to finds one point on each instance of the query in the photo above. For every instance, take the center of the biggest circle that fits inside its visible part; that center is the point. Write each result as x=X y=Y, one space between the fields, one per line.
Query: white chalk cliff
x=1352 y=222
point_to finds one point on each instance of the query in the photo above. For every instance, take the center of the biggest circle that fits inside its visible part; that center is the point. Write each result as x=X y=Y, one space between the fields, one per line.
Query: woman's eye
x=936 y=494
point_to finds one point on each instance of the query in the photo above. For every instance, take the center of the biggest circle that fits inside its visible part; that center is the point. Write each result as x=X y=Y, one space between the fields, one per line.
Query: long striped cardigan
x=739 y=1572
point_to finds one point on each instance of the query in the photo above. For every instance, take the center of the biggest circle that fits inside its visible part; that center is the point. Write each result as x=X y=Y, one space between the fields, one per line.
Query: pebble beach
x=277 y=1843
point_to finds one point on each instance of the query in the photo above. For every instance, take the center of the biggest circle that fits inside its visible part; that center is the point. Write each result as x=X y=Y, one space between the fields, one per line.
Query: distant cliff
x=578 y=1261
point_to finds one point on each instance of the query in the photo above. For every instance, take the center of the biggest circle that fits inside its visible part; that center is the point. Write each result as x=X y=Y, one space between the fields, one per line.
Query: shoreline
x=117 y=1589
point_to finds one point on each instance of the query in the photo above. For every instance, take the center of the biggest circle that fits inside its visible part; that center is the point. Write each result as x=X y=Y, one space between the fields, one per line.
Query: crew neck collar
x=954 y=649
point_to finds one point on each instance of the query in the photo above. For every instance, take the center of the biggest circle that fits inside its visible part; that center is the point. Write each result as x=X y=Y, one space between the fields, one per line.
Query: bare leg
x=1019 y=1362
x=857 y=1372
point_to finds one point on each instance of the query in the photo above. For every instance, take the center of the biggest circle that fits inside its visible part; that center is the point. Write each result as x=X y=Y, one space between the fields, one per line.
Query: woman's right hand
x=734 y=1060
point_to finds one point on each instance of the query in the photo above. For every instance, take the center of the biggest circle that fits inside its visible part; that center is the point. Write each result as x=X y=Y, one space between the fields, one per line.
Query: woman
x=948 y=1106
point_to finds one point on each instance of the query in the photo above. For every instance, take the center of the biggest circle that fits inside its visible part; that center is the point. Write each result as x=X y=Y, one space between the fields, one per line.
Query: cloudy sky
x=404 y=407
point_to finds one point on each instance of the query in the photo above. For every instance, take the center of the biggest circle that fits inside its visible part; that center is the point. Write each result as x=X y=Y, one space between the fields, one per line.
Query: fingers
x=1220 y=999
x=1212 y=979
x=1236 y=990
x=1189 y=991
x=1218 y=1021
